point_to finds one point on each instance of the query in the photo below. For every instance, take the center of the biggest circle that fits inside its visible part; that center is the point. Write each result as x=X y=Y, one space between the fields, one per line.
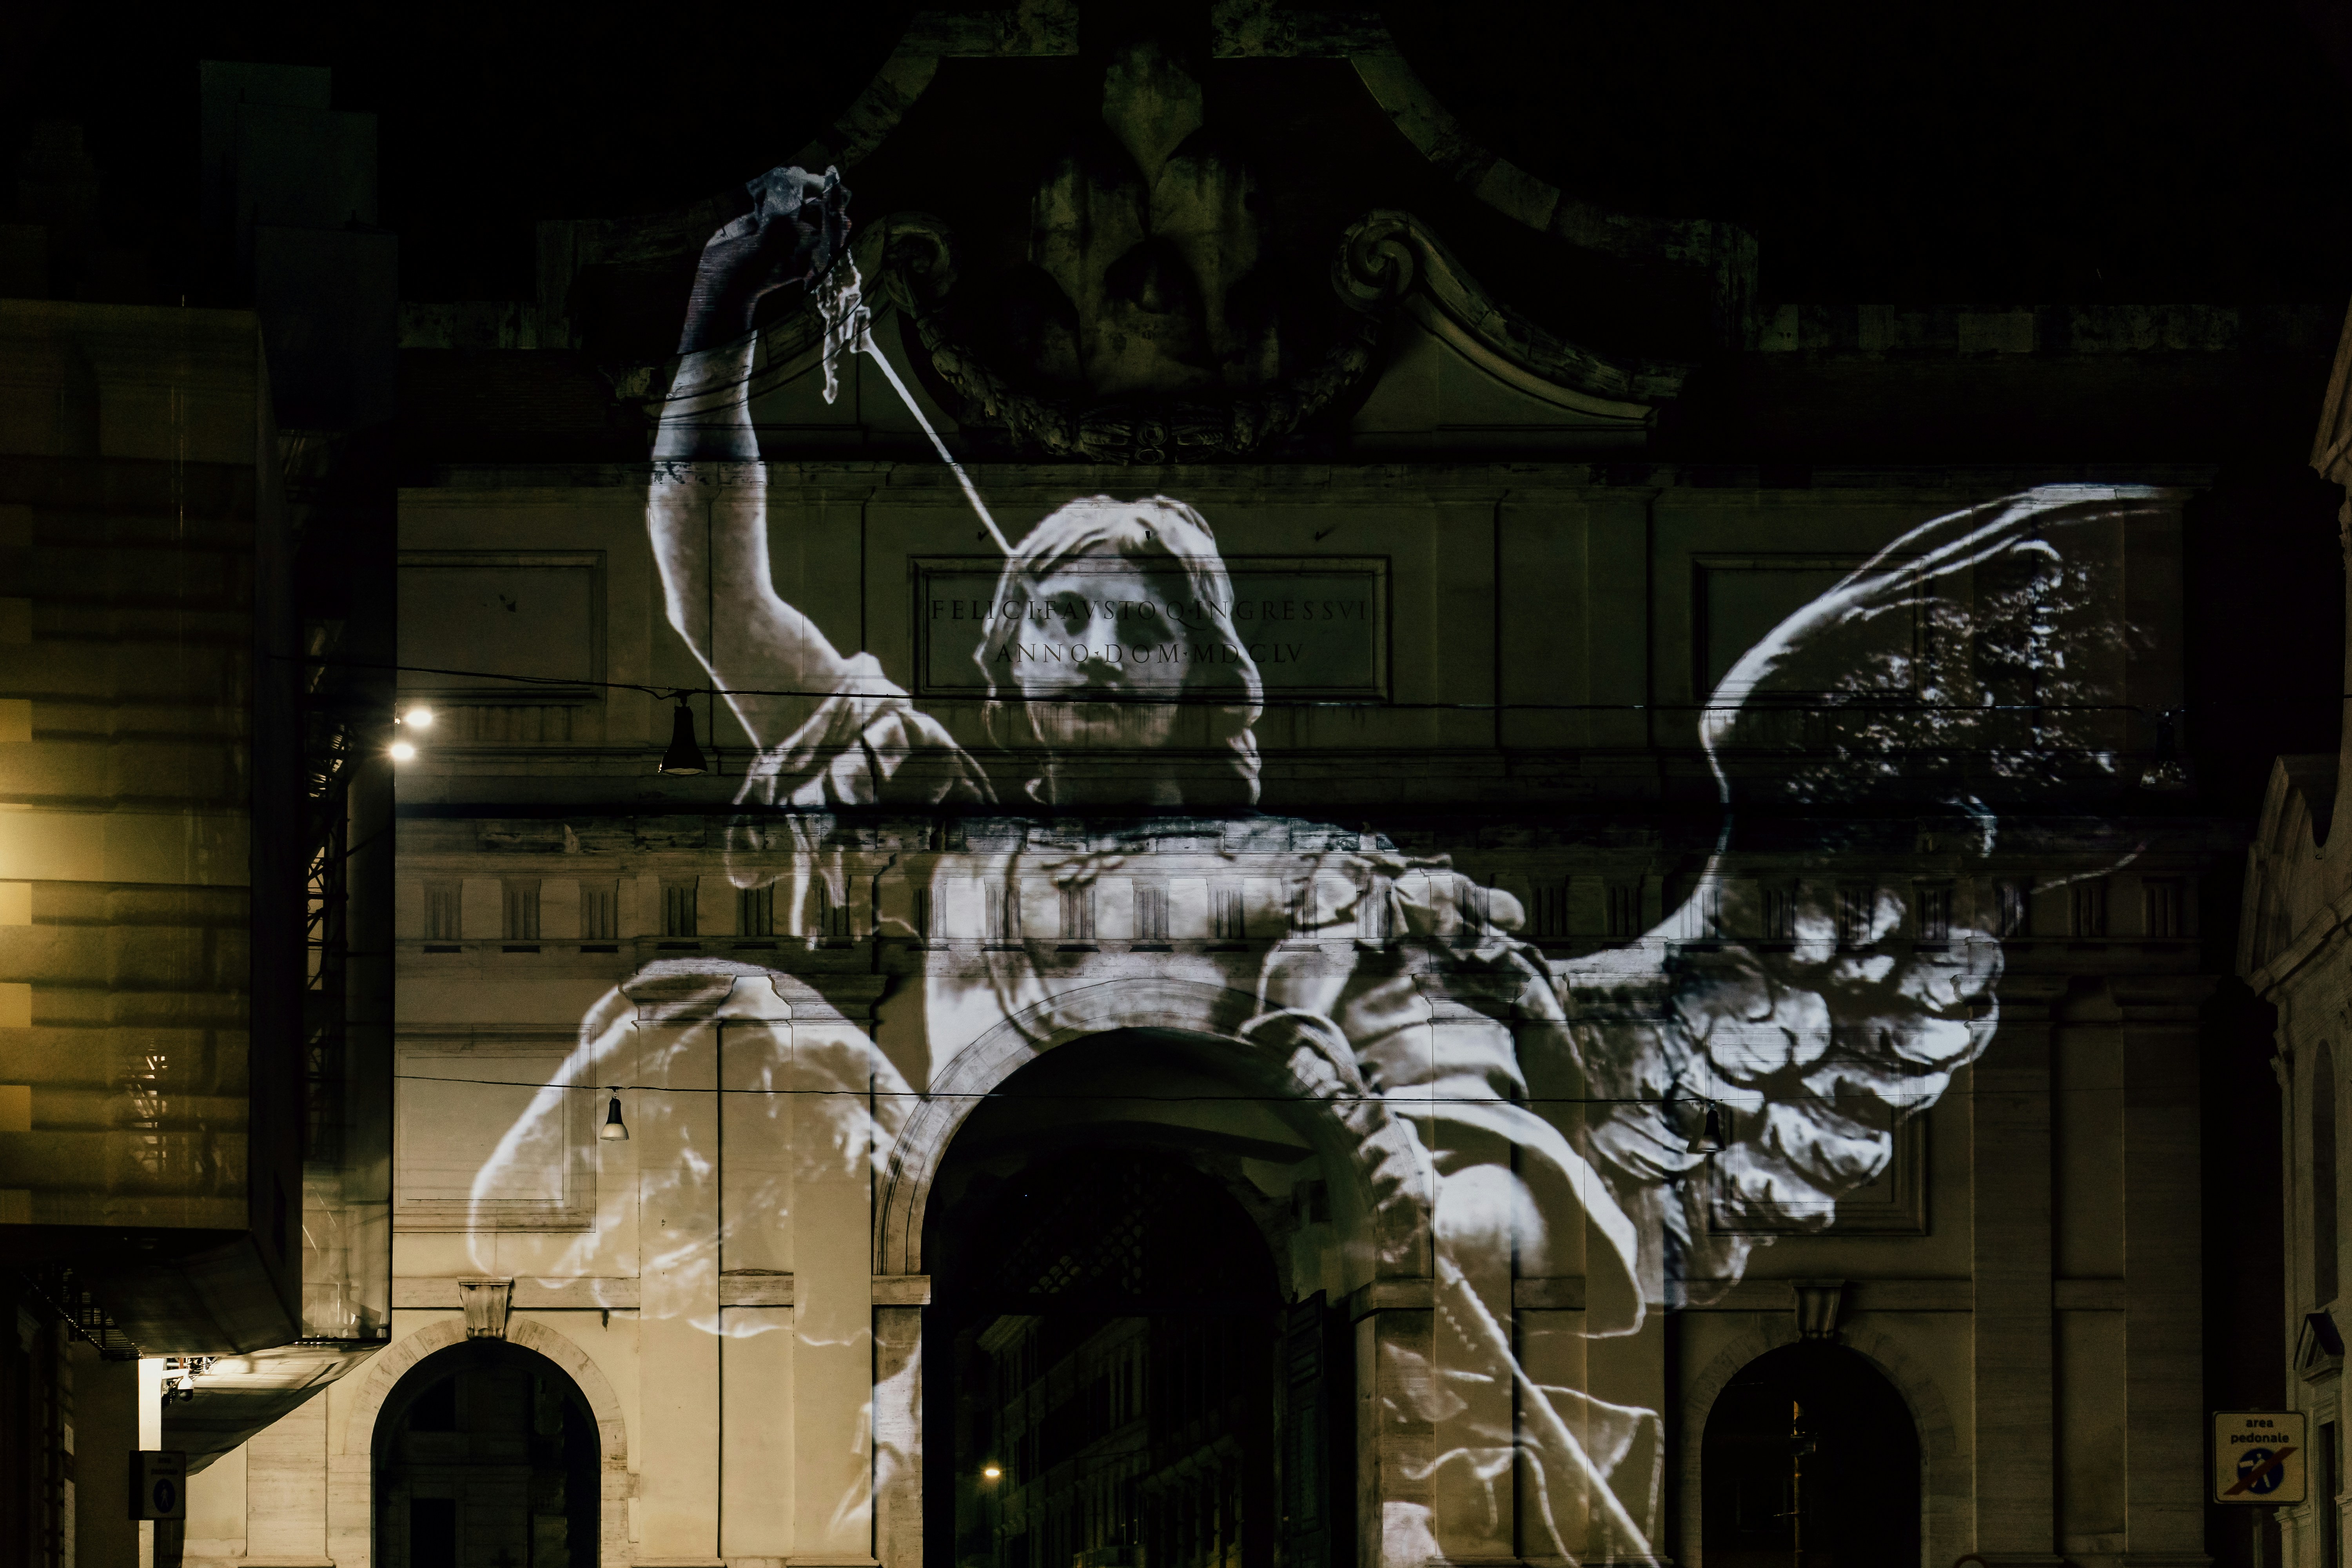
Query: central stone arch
x=1195 y=1008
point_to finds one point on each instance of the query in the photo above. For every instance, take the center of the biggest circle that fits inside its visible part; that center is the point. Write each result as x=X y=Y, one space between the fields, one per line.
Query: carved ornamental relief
x=1149 y=232
x=1152 y=306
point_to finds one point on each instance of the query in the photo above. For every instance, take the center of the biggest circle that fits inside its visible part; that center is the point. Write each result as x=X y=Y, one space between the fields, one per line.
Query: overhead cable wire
x=672 y=693
x=608 y=1086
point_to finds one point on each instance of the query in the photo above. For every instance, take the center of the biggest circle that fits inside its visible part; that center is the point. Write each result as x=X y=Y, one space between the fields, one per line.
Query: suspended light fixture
x=614 y=1130
x=1714 y=1131
x=2168 y=773
x=684 y=758
x=418 y=718
x=402 y=750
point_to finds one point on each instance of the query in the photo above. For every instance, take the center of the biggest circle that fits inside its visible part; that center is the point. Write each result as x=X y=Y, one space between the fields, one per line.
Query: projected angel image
x=1637 y=1118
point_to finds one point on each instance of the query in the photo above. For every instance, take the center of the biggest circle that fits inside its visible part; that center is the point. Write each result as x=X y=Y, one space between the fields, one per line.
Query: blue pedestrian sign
x=2259 y=1457
x=158 y=1484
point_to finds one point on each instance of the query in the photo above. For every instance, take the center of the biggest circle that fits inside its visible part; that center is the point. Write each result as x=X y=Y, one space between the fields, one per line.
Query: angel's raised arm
x=707 y=510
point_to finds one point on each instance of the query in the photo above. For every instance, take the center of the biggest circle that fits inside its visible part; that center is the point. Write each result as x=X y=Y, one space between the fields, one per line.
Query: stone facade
x=1680 y=922
x=743 y=1297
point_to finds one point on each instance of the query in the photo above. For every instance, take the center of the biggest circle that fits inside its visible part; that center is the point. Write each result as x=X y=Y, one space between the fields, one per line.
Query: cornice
x=1386 y=264
x=2308 y=945
x=1389 y=256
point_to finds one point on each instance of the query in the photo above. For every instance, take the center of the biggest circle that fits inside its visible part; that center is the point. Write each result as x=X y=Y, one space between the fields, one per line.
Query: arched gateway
x=1115 y=1376
x=1216 y=1022
x=1810 y=1457
x=1165 y=1085
x=487 y=1452
x=1356 y=1187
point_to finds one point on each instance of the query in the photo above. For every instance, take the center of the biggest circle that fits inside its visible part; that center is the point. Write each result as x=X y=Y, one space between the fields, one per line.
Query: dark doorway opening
x=1810 y=1461
x=1119 y=1384
x=487 y=1457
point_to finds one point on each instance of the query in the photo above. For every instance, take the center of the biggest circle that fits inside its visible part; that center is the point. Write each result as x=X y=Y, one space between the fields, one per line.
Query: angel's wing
x=1983 y=652
x=1976 y=664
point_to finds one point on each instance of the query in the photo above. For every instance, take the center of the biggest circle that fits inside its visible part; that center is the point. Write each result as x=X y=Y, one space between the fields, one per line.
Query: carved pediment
x=1210 y=238
x=1147 y=247
x=2318 y=1348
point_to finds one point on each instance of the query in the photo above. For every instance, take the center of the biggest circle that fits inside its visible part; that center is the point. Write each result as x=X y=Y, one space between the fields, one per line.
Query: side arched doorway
x=1811 y=1459
x=1114 y=1369
x=486 y=1456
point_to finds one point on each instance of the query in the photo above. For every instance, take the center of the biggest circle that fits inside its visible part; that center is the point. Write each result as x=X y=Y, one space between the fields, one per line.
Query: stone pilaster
x=832 y=1133
x=758 y=1320
x=898 y=1303
x=2163 y=1302
x=2016 y=1446
x=1395 y=1372
x=672 y=1120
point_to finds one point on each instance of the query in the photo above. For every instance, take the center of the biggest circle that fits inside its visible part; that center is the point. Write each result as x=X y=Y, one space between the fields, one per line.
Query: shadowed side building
x=194 y=1129
x=2291 y=952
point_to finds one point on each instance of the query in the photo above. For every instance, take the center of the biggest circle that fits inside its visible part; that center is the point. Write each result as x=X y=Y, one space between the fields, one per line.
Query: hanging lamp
x=614 y=1130
x=684 y=758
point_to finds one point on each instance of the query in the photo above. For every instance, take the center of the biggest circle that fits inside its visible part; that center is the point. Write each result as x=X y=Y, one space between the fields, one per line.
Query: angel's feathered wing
x=1976 y=665
x=1980 y=655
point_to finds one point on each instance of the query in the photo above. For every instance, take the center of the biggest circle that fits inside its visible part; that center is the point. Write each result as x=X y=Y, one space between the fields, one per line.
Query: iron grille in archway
x=1127 y=1389
x=487 y=1453
x=1810 y=1457
x=1119 y=1229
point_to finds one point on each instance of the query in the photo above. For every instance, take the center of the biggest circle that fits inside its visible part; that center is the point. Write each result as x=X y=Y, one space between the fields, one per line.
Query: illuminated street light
x=402 y=750
x=989 y=1472
x=418 y=718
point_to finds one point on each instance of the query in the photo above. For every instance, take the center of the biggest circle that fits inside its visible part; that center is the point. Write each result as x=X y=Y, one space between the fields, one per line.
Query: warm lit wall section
x=135 y=458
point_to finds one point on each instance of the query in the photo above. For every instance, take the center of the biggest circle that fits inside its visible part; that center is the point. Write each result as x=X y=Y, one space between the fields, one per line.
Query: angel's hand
x=1314 y=1048
x=798 y=224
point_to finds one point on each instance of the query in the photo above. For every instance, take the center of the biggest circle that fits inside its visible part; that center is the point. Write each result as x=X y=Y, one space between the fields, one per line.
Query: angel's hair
x=1156 y=533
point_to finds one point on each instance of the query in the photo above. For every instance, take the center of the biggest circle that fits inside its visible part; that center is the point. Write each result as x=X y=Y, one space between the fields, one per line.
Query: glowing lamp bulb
x=402 y=750
x=418 y=718
x=989 y=1472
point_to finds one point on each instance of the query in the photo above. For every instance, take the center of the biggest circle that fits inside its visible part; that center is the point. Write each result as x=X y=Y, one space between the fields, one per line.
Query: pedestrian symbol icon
x=2260 y=1471
x=158 y=1484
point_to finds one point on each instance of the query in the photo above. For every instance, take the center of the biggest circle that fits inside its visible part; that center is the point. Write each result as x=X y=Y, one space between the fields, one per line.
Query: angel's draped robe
x=1411 y=962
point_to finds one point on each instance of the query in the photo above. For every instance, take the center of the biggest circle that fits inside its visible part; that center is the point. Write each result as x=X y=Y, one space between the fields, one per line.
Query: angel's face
x=1110 y=653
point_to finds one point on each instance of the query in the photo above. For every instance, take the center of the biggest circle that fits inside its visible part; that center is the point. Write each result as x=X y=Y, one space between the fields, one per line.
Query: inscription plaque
x=1315 y=628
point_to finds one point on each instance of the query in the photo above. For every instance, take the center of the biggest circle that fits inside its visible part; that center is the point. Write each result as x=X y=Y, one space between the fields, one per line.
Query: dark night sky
x=2080 y=151
x=2130 y=150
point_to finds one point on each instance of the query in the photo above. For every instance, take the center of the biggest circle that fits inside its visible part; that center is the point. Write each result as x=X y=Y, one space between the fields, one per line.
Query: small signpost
x=158 y=1484
x=2261 y=1457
